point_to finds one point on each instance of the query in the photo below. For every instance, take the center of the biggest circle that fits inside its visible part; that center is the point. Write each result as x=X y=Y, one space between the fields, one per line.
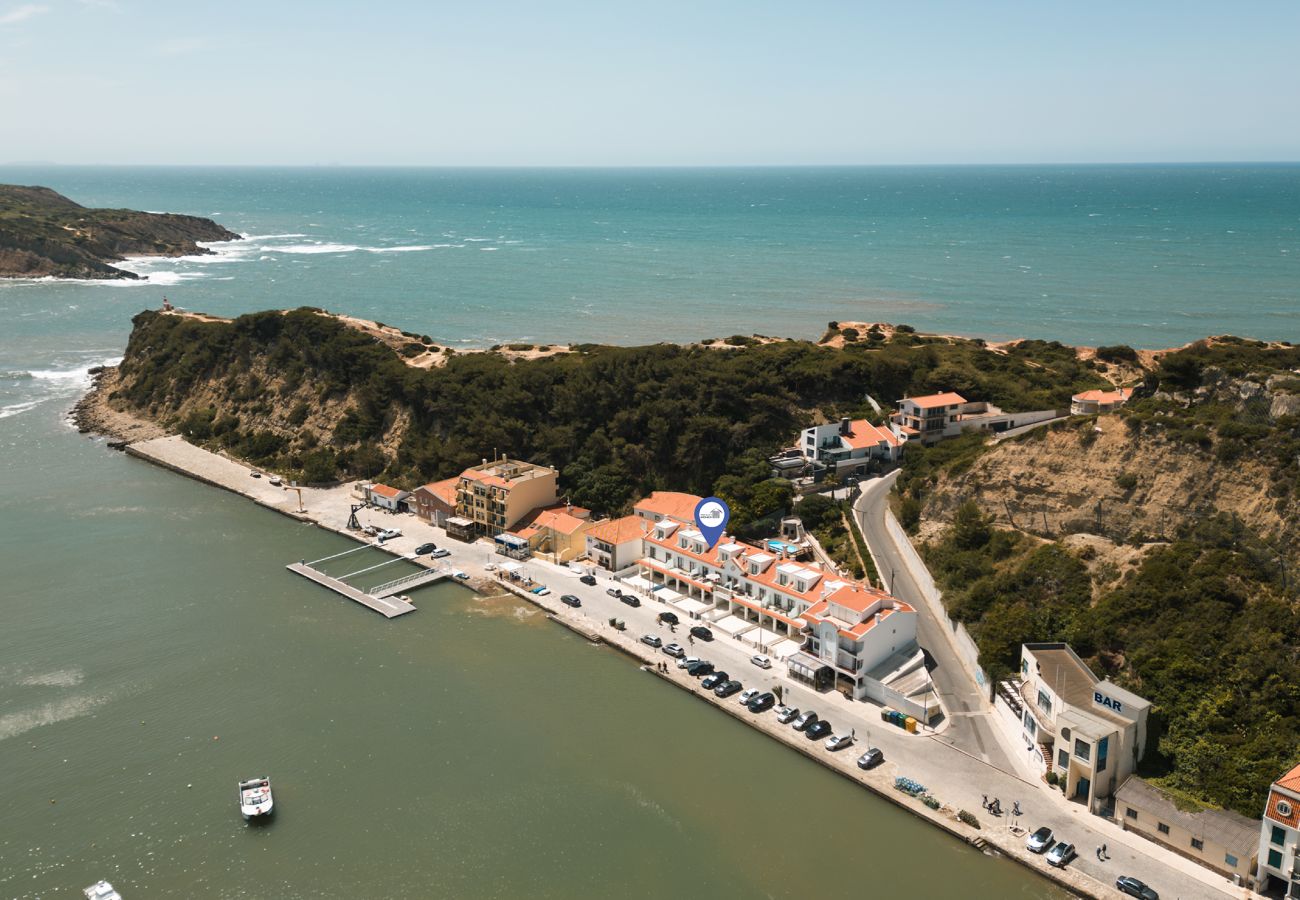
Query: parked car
x=614 y=592
x=386 y=534
x=804 y=720
x=457 y=573
x=1060 y=855
x=1134 y=888
x=687 y=661
x=712 y=681
x=762 y=703
x=839 y=742
x=440 y=553
x=652 y=640
x=817 y=730
x=570 y=600
x=749 y=695
x=425 y=548
x=1040 y=840
x=588 y=579
x=675 y=650
x=785 y=715
x=872 y=758
x=761 y=661
x=727 y=688
x=541 y=590
x=630 y=599
x=702 y=633
x=700 y=669
x=256 y=474
x=670 y=618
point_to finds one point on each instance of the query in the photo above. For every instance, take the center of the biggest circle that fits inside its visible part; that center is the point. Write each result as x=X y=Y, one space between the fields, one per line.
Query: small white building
x=616 y=545
x=935 y=417
x=1090 y=732
x=385 y=496
x=1279 y=836
x=849 y=444
x=1090 y=402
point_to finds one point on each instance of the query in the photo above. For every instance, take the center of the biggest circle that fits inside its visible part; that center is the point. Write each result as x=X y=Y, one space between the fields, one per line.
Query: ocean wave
x=16 y=376
x=57 y=678
x=15 y=409
x=78 y=374
x=346 y=248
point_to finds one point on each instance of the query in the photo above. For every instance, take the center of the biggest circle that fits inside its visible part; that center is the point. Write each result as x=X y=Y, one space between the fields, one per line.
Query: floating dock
x=386 y=606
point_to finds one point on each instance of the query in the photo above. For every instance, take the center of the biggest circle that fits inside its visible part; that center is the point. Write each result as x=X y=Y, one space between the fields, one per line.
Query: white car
x=440 y=553
x=747 y=695
x=838 y=742
x=761 y=661
x=387 y=534
x=684 y=661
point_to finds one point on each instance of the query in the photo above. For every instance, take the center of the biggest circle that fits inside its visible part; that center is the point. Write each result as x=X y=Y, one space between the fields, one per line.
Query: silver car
x=1040 y=840
x=1060 y=855
x=746 y=696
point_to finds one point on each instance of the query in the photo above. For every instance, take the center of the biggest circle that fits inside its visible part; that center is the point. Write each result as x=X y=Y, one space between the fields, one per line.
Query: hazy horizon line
x=643 y=167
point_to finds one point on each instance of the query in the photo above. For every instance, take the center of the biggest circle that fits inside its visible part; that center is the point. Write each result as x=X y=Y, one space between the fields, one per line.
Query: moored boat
x=255 y=798
x=101 y=890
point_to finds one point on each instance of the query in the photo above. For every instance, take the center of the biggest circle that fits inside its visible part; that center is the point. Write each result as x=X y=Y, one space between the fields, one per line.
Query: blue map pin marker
x=711 y=516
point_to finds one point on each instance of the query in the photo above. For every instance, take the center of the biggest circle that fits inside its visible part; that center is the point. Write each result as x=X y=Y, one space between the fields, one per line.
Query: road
x=968 y=727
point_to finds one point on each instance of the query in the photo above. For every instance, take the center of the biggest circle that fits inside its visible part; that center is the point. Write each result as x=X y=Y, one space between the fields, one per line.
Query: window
x=1044 y=702
x=1283 y=808
x=1275 y=859
x=1062 y=759
x=1279 y=835
x=1102 y=747
x=1229 y=860
x=1030 y=725
x=1024 y=667
x=1131 y=813
x=1082 y=749
x=1198 y=844
x=1162 y=828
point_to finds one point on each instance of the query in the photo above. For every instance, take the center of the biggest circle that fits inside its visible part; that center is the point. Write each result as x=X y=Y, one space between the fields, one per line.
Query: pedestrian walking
x=986 y=801
x=1099 y=856
x=1105 y=854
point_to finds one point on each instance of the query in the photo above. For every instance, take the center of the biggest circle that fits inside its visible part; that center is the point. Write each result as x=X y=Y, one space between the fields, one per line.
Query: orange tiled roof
x=1291 y=780
x=1271 y=812
x=1099 y=396
x=384 y=490
x=619 y=531
x=444 y=490
x=819 y=611
x=673 y=504
x=556 y=518
x=863 y=434
x=930 y=401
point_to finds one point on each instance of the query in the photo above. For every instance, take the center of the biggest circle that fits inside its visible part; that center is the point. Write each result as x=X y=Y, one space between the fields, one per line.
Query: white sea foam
x=14 y=409
x=345 y=248
x=17 y=723
x=57 y=678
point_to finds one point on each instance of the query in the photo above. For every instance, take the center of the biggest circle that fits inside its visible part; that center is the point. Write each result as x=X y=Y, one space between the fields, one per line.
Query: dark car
x=425 y=548
x=570 y=600
x=588 y=579
x=1134 y=888
x=630 y=599
x=805 y=720
x=701 y=668
x=712 y=681
x=727 y=688
x=872 y=758
x=670 y=618
x=763 y=702
x=818 y=729
x=614 y=592
x=702 y=633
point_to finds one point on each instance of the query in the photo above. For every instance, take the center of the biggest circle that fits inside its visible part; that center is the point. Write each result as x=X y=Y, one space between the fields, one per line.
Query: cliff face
x=43 y=233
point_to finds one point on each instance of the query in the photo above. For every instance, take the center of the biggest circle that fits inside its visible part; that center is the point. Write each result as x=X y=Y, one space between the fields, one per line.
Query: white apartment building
x=1279 y=836
x=935 y=417
x=844 y=629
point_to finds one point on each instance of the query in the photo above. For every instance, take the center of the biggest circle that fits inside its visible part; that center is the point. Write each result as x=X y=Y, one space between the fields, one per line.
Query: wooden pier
x=388 y=607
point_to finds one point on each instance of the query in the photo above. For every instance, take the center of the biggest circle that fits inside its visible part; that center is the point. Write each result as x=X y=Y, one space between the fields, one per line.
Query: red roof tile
x=929 y=401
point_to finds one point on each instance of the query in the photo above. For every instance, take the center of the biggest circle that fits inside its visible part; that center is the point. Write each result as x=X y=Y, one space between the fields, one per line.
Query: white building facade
x=1279 y=836
x=849 y=444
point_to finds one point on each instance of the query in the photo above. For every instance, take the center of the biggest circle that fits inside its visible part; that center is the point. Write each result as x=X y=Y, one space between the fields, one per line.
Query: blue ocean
x=1151 y=256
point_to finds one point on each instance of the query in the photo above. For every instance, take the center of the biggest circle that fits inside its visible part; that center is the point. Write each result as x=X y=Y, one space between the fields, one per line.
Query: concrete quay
x=957 y=777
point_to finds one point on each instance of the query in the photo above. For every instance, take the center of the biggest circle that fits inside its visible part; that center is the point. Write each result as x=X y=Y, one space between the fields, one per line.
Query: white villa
x=935 y=417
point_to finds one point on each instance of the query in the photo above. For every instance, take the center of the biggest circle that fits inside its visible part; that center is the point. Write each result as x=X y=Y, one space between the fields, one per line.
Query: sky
x=707 y=82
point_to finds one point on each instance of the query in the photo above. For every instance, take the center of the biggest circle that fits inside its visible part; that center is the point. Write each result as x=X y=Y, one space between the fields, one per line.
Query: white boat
x=255 y=798
x=101 y=890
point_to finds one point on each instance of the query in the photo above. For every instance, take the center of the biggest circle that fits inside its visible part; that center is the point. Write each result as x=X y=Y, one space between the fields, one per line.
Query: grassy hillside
x=1163 y=547
x=43 y=233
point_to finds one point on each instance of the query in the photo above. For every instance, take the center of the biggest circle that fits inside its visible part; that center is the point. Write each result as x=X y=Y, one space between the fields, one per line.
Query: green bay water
x=154 y=650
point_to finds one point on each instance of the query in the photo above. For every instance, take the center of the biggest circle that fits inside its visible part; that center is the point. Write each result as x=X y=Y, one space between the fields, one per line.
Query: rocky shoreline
x=95 y=414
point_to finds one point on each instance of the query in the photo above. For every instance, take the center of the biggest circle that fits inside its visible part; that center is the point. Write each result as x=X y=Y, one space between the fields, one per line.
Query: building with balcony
x=495 y=496
x=557 y=532
x=847 y=445
x=935 y=417
x=616 y=544
x=1090 y=732
x=843 y=630
x=1090 y=402
x=1218 y=839
x=1279 y=837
